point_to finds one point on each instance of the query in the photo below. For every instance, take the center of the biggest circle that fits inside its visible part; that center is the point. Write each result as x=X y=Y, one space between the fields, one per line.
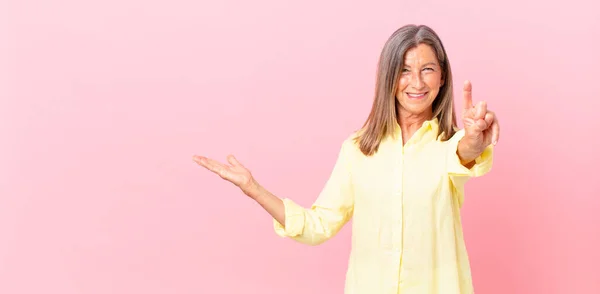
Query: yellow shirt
x=405 y=203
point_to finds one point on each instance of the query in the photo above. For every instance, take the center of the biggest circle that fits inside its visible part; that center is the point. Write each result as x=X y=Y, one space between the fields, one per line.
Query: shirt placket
x=398 y=218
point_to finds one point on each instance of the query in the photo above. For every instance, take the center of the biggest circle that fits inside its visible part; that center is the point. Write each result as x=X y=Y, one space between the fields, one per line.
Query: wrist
x=252 y=189
x=466 y=153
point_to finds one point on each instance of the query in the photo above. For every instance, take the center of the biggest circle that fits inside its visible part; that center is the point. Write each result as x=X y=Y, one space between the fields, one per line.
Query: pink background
x=103 y=104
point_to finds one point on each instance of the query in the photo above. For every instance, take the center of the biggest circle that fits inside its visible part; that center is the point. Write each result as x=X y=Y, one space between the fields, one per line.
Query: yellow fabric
x=404 y=202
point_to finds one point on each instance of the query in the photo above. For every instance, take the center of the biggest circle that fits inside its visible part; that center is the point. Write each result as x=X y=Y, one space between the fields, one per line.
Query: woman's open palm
x=233 y=172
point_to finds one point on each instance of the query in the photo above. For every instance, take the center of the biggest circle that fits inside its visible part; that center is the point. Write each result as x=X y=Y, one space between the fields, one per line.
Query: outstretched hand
x=233 y=172
x=481 y=126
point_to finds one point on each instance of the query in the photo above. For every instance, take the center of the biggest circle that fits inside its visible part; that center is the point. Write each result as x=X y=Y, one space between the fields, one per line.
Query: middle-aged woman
x=400 y=177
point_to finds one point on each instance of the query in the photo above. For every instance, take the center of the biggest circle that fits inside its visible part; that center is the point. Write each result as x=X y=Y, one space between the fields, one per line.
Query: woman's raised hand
x=481 y=124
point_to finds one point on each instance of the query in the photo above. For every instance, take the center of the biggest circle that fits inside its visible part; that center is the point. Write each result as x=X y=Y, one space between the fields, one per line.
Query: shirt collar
x=427 y=132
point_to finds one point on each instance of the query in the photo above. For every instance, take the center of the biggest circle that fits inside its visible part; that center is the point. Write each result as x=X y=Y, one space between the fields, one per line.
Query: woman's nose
x=416 y=81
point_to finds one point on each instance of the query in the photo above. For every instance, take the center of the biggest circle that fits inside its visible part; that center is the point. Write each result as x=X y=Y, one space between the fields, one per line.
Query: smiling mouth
x=416 y=95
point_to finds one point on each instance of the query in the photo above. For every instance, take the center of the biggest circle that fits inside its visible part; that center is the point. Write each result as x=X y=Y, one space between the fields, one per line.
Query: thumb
x=233 y=161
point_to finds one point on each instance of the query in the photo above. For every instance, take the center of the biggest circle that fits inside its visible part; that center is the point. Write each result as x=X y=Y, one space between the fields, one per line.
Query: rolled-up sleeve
x=332 y=209
x=460 y=174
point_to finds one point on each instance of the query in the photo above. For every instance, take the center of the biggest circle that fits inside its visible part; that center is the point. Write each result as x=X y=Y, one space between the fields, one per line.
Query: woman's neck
x=410 y=123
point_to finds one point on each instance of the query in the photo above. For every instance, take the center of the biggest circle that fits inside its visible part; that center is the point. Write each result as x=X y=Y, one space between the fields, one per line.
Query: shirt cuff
x=483 y=163
x=294 y=220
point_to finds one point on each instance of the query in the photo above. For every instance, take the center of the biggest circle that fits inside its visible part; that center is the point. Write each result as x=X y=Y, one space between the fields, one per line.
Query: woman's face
x=420 y=81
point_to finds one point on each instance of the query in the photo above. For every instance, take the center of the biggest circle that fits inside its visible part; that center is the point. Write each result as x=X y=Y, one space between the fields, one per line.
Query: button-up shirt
x=404 y=202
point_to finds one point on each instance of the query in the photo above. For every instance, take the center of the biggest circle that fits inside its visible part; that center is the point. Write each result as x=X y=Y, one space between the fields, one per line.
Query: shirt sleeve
x=458 y=173
x=332 y=209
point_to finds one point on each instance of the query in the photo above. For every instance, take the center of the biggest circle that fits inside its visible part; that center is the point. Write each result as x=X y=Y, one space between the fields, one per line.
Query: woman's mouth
x=417 y=95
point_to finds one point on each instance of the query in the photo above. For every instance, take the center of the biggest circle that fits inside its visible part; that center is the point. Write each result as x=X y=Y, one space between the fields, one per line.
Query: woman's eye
x=428 y=69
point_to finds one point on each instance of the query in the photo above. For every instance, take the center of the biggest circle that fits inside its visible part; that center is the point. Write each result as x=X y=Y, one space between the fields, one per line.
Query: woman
x=400 y=177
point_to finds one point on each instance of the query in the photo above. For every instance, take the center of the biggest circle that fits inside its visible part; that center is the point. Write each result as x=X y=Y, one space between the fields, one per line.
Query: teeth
x=415 y=95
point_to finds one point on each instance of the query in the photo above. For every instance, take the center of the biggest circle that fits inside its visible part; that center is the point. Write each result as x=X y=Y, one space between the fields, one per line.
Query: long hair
x=383 y=117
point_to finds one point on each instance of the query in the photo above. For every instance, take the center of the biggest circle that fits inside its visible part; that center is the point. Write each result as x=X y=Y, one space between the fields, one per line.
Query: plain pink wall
x=103 y=104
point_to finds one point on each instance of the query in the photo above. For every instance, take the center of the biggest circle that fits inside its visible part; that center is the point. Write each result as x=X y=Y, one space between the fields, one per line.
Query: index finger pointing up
x=468 y=99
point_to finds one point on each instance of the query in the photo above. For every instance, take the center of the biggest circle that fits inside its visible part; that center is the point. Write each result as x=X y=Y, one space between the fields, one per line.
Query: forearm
x=271 y=203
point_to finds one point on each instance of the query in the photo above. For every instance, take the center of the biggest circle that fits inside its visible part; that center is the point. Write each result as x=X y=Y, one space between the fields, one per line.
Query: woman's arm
x=328 y=214
x=271 y=203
